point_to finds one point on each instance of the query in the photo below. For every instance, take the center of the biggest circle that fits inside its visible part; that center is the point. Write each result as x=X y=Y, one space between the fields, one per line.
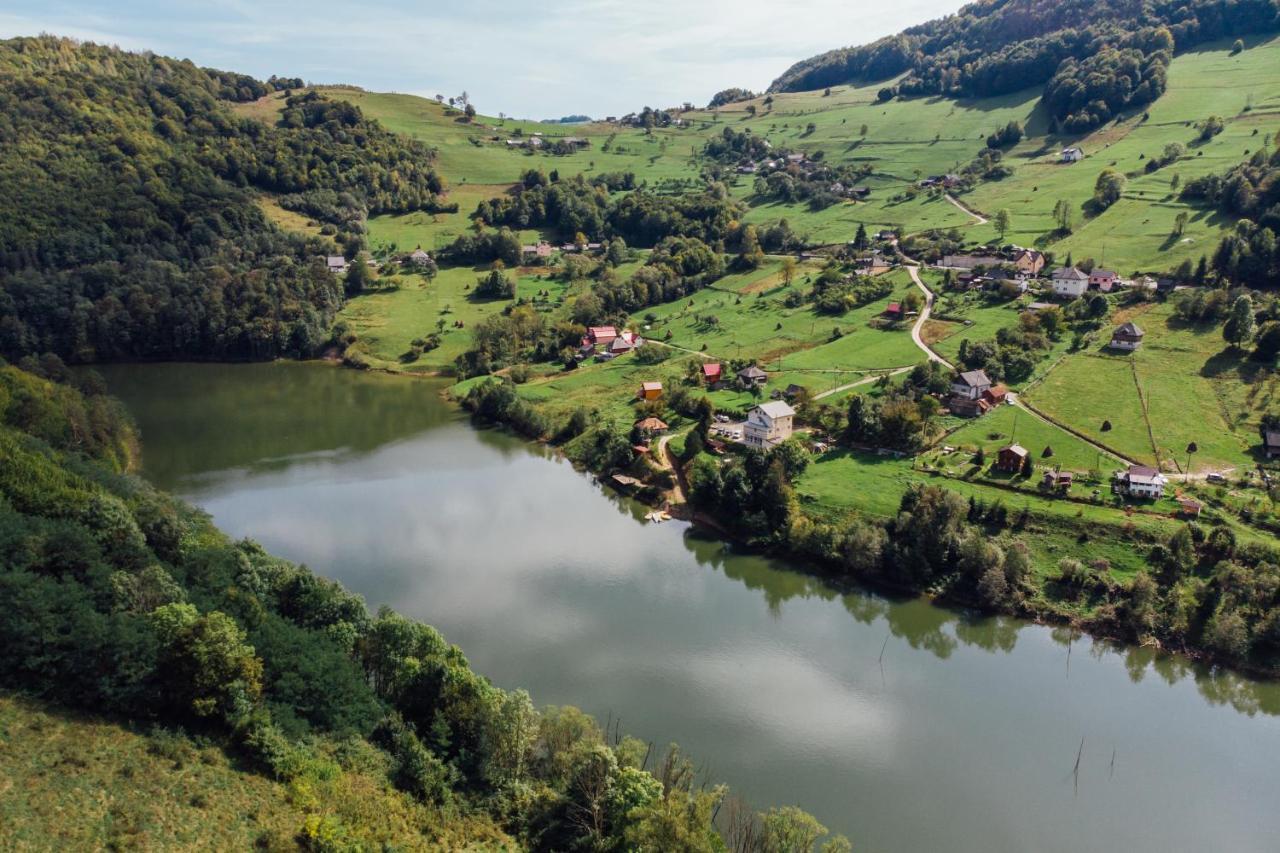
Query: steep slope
x=129 y=227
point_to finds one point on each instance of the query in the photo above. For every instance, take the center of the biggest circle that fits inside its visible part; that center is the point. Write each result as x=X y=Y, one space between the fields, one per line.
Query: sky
x=535 y=60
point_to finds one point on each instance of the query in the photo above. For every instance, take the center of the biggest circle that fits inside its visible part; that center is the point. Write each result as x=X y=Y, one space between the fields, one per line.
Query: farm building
x=1104 y=280
x=1069 y=282
x=419 y=258
x=894 y=311
x=1070 y=155
x=1127 y=336
x=336 y=264
x=650 y=390
x=1058 y=481
x=601 y=335
x=752 y=377
x=1271 y=443
x=968 y=262
x=624 y=343
x=712 y=372
x=1189 y=508
x=1141 y=481
x=768 y=424
x=1011 y=457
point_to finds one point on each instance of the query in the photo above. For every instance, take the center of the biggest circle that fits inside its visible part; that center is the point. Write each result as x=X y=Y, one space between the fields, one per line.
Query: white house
x=768 y=424
x=1069 y=281
x=336 y=264
x=1140 y=481
x=1070 y=155
x=970 y=385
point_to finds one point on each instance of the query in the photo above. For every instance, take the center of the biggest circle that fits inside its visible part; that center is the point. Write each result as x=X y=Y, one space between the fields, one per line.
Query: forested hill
x=129 y=223
x=1097 y=56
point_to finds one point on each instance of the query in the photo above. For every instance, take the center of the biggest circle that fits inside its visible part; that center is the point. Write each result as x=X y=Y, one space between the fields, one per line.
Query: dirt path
x=978 y=217
x=913 y=271
x=863 y=381
x=666 y=457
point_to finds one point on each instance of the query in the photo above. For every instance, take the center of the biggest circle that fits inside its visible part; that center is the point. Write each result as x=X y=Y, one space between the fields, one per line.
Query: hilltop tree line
x=119 y=599
x=129 y=227
x=1097 y=55
x=1250 y=255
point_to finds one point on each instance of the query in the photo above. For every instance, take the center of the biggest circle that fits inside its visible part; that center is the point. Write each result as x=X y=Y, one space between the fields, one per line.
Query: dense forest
x=130 y=227
x=122 y=600
x=1098 y=56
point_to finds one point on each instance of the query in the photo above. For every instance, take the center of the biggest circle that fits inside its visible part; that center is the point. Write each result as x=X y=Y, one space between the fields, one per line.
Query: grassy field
x=386 y=322
x=1008 y=424
x=1184 y=385
x=74 y=782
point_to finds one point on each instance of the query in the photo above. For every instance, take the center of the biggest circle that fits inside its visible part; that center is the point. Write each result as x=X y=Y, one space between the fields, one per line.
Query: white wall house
x=768 y=424
x=971 y=384
x=1139 y=481
x=1070 y=282
x=1071 y=155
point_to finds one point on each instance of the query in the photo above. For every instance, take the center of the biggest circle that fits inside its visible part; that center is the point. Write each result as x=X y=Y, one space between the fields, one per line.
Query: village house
x=650 y=390
x=1189 y=508
x=894 y=311
x=768 y=425
x=1011 y=458
x=712 y=373
x=1271 y=443
x=1127 y=336
x=972 y=395
x=336 y=264
x=1145 y=282
x=970 y=385
x=1070 y=282
x=1071 y=155
x=1057 y=481
x=624 y=343
x=888 y=236
x=1028 y=261
x=538 y=252
x=1104 y=280
x=419 y=258
x=752 y=376
x=1141 y=481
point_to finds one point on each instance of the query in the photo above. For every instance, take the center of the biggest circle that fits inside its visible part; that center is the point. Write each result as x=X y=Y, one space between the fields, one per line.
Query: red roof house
x=711 y=372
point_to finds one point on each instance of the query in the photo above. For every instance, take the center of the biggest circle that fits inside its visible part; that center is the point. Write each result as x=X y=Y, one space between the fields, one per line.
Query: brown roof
x=651 y=386
x=651 y=424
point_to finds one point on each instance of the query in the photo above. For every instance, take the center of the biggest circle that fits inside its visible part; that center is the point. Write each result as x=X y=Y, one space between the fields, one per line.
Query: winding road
x=979 y=219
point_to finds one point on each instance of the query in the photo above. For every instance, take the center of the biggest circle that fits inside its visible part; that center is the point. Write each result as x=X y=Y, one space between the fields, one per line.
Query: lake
x=962 y=736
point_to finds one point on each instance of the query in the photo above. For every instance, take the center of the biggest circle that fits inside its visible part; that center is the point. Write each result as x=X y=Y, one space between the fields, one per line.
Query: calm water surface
x=963 y=740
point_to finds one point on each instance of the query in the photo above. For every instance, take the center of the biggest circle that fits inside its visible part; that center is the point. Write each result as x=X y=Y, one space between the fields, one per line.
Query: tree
x=1062 y=215
x=1192 y=448
x=1267 y=342
x=752 y=255
x=1108 y=188
x=1240 y=325
x=862 y=131
x=860 y=240
x=1180 y=223
x=206 y=662
x=469 y=112
x=791 y=830
x=788 y=271
x=1001 y=221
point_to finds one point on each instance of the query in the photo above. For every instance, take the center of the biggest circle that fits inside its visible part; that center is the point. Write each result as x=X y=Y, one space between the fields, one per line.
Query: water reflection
x=957 y=736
